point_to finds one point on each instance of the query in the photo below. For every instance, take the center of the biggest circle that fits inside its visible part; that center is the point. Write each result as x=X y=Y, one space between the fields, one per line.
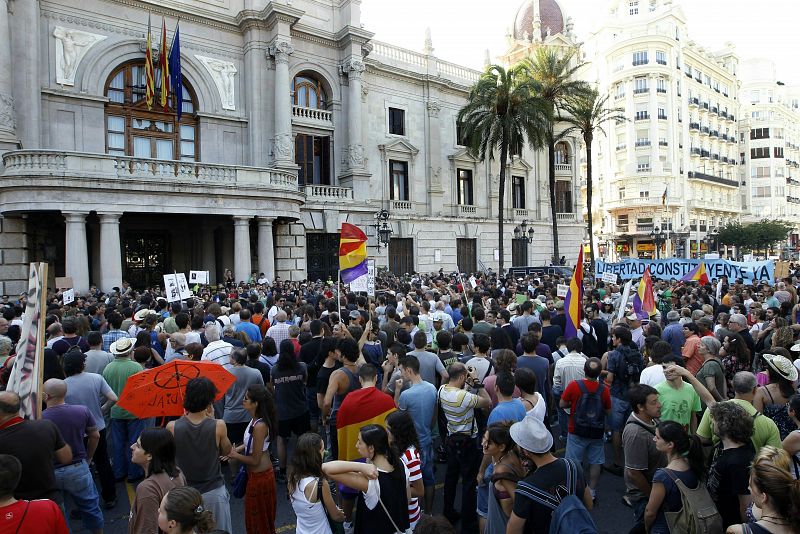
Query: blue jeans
x=620 y=411
x=428 y=464
x=76 y=481
x=563 y=416
x=124 y=433
x=578 y=448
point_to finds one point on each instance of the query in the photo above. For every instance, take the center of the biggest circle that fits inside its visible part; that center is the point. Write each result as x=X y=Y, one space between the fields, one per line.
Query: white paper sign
x=198 y=277
x=365 y=283
x=183 y=287
x=562 y=290
x=69 y=296
x=171 y=288
x=473 y=282
x=624 y=300
x=609 y=277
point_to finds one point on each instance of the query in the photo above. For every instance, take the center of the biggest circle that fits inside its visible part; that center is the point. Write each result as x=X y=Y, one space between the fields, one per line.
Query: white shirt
x=311 y=518
x=540 y=409
x=567 y=369
x=652 y=375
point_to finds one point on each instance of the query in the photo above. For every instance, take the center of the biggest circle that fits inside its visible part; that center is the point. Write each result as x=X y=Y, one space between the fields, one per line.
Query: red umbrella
x=160 y=391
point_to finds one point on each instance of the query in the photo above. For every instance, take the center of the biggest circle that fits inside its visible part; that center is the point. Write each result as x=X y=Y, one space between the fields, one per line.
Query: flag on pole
x=573 y=303
x=352 y=253
x=176 y=79
x=698 y=274
x=664 y=196
x=644 y=303
x=163 y=65
x=149 y=71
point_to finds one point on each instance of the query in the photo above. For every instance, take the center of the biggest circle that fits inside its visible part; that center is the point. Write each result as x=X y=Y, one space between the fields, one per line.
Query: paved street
x=611 y=515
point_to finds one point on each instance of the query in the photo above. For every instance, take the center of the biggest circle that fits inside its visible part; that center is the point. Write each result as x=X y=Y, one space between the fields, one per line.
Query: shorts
x=620 y=411
x=297 y=425
x=236 y=432
x=578 y=448
x=483 y=492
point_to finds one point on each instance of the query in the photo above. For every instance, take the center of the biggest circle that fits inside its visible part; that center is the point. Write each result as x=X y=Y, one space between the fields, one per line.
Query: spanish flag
x=698 y=274
x=149 y=71
x=644 y=303
x=574 y=301
x=352 y=253
x=163 y=64
x=361 y=407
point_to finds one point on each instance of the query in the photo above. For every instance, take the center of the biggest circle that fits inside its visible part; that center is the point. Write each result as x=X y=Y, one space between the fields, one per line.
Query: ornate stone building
x=294 y=119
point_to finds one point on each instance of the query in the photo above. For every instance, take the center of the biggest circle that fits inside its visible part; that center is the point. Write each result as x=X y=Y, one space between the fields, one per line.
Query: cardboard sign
x=183 y=287
x=609 y=277
x=365 y=283
x=171 y=288
x=63 y=282
x=562 y=290
x=781 y=269
x=68 y=296
x=473 y=282
x=198 y=277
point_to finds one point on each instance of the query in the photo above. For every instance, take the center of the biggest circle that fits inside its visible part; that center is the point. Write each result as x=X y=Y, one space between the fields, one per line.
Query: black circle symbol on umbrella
x=169 y=379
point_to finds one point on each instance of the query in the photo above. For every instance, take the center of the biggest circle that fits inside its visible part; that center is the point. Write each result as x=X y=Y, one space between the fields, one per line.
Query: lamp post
x=658 y=236
x=523 y=232
x=680 y=242
x=711 y=238
x=382 y=229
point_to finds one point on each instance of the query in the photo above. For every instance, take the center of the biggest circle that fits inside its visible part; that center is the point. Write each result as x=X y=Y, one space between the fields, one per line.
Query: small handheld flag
x=644 y=303
x=698 y=274
x=574 y=300
x=149 y=71
x=352 y=253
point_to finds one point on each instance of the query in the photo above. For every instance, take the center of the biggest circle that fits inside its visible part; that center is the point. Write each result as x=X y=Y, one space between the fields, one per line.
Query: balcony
x=327 y=193
x=663 y=142
x=618 y=96
x=792 y=181
x=661 y=90
x=713 y=179
x=639 y=62
x=622 y=146
x=703 y=106
x=47 y=179
x=793 y=200
x=694 y=125
x=662 y=117
x=694 y=152
x=704 y=153
x=563 y=169
x=521 y=214
x=641 y=90
x=713 y=133
x=714 y=110
x=704 y=130
x=641 y=116
x=641 y=228
x=566 y=217
x=642 y=142
x=715 y=157
x=643 y=168
x=465 y=210
x=662 y=62
x=693 y=102
x=319 y=118
x=723 y=114
x=641 y=202
x=403 y=206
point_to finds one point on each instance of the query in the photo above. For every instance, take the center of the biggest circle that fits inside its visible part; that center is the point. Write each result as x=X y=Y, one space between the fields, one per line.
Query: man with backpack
x=624 y=366
x=554 y=491
x=589 y=403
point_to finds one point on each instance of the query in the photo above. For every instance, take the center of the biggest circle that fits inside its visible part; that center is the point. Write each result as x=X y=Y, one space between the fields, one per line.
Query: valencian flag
x=644 y=304
x=366 y=406
x=176 y=79
x=698 y=274
x=352 y=253
x=163 y=66
x=149 y=71
x=574 y=299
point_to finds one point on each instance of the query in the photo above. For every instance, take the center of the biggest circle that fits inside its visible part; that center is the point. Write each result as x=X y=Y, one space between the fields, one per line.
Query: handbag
x=239 y=486
x=336 y=526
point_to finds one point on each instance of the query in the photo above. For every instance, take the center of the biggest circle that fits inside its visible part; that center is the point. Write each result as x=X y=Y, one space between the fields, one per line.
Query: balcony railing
x=641 y=116
x=467 y=210
x=641 y=90
x=519 y=214
x=565 y=217
x=694 y=101
x=713 y=179
x=312 y=114
x=643 y=168
x=328 y=193
x=642 y=142
x=694 y=126
x=401 y=205
x=563 y=167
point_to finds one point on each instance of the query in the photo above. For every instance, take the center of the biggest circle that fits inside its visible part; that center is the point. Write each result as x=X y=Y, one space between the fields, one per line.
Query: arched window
x=562 y=153
x=133 y=130
x=308 y=92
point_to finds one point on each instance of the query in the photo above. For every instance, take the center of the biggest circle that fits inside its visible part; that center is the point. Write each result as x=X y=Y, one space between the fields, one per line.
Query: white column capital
x=75 y=216
x=242 y=220
x=265 y=221
x=281 y=49
x=109 y=217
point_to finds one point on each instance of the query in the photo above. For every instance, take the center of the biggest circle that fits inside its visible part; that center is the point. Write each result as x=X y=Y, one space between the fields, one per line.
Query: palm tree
x=586 y=114
x=552 y=75
x=502 y=112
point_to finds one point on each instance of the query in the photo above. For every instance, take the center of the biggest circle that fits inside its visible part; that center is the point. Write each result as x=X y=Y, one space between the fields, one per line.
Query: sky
x=462 y=29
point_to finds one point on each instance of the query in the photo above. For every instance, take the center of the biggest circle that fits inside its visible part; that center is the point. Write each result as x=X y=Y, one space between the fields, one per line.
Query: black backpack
x=629 y=368
x=591 y=347
x=589 y=417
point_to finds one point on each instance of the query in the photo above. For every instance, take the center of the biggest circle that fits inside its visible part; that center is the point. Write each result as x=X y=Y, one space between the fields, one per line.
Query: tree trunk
x=551 y=170
x=501 y=196
x=587 y=139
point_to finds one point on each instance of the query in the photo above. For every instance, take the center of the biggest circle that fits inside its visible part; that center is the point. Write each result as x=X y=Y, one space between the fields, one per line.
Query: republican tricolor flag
x=352 y=253
x=574 y=301
x=698 y=274
x=644 y=303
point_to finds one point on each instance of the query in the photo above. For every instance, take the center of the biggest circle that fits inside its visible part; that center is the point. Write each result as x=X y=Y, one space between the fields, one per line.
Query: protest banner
x=26 y=375
x=751 y=272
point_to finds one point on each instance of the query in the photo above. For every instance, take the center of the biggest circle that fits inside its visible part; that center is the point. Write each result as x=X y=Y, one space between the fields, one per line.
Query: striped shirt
x=413 y=467
x=218 y=352
x=111 y=336
x=459 y=408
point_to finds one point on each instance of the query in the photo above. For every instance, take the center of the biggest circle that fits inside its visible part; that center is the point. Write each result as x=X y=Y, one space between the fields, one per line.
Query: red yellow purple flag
x=698 y=274
x=644 y=303
x=362 y=407
x=352 y=253
x=574 y=300
x=149 y=71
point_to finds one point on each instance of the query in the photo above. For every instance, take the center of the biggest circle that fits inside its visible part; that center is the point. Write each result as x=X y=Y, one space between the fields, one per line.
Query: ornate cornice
x=202 y=16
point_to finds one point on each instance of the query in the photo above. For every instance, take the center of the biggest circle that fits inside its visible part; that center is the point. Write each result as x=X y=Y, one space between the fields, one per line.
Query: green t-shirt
x=678 y=404
x=116 y=374
x=765 y=431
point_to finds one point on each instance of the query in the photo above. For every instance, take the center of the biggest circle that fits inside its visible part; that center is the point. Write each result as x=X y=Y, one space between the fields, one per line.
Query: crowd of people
x=348 y=405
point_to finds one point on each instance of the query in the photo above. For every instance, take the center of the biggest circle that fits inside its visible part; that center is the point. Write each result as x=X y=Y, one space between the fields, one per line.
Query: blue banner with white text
x=750 y=271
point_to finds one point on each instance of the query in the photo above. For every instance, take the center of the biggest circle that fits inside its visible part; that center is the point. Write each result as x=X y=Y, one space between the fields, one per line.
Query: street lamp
x=658 y=236
x=523 y=232
x=711 y=237
x=382 y=229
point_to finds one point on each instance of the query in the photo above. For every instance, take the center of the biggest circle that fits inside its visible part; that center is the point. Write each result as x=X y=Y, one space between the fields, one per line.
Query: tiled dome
x=550 y=15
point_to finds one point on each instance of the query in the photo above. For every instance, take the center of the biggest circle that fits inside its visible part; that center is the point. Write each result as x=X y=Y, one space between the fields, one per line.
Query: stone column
x=77 y=257
x=27 y=103
x=255 y=61
x=241 y=248
x=8 y=139
x=354 y=69
x=266 y=248
x=282 y=149
x=110 y=251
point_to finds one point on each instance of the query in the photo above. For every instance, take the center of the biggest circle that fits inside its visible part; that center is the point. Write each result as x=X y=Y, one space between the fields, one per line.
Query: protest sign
x=609 y=277
x=365 y=283
x=183 y=287
x=562 y=290
x=198 y=277
x=68 y=296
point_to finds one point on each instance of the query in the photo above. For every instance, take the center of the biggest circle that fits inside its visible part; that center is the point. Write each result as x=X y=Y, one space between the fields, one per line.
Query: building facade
x=293 y=120
x=668 y=176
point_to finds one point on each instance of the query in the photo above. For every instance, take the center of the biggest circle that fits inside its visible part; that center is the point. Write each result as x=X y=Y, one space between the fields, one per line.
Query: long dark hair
x=160 y=445
x=375 y=436
x=287 y=361
x=266 y=410
x=785 y=386
x=404 y=433
x=687 y=446
x=306 y=460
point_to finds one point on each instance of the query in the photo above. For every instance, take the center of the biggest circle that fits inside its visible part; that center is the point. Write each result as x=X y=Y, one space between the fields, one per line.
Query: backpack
x=589 y=416
x=630 y=366
x=591 y=348
x=569 y=514
x=698 y=514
